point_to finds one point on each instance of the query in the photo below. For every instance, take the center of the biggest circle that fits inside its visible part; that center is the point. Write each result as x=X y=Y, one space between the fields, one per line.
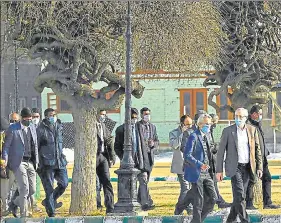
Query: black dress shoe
x=271 y=206
x=176 y=212
x=224 y=205
x=13 y=209
x=147 y=207
x=57 y=204
x=251 y=207
x=109 y=211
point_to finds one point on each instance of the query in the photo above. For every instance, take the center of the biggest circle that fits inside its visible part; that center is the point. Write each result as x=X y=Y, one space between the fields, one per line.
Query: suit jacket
x=13 y=148
x=144 y=158
x=50 y=140
x=108 y=144
x=264 y=150
x=194 y=156
x=228 y=145
x=177 y=140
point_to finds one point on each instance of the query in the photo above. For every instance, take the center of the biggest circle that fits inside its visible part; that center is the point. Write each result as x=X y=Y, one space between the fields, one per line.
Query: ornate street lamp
x=127 y=175
x=16 y=91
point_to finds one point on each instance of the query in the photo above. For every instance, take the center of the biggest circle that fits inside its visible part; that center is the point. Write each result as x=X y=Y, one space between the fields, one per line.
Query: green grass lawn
x=165 y=194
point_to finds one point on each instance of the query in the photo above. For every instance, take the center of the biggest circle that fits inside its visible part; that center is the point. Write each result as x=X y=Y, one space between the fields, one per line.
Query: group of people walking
x=199 y=161
x=32 y=146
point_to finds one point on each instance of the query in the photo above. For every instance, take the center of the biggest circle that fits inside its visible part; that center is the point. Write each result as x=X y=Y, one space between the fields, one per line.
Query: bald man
x=14 y=117
x=178 y=139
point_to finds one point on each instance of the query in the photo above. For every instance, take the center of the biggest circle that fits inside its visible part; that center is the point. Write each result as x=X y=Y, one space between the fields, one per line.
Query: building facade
x=167 y=95
x=28 y=97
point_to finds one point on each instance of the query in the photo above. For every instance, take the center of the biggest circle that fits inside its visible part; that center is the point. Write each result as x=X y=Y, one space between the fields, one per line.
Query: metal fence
x=68 y=135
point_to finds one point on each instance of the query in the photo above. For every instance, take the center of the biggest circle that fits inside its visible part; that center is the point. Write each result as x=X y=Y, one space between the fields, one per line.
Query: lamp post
x=16 y=81
x=127 y=175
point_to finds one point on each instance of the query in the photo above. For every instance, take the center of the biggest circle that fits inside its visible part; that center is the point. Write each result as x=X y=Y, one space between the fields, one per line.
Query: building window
x=192 y=100
x=55 y=103
x=34 y=102
x=63 y=106
x=52 y=101
x=222 y=100
x=22 y=103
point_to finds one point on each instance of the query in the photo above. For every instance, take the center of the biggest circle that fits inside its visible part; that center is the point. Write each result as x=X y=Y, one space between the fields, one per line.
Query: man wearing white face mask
x=142 y=153
x=255 y=118
x=240 y=146
x=35 y=116
x=149 y=142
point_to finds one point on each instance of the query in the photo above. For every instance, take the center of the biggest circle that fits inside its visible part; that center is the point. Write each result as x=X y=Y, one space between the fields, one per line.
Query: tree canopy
x=86 y=40
x=252 y=62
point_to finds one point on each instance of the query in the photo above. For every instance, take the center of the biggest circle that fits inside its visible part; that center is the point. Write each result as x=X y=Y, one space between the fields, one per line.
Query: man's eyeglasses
x=13 y=121
x=35 y=116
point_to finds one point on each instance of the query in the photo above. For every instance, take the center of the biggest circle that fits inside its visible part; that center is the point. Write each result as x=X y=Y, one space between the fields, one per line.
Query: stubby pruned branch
x=252 y=63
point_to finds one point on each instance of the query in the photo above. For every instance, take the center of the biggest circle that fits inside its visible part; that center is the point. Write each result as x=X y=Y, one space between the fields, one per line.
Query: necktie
x=134 y=141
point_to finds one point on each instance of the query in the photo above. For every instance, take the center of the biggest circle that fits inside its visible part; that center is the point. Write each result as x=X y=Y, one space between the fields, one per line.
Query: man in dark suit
x=240 y=146
x=144 y=142
x=198 y=170
x=105 y=159
x=255 y=120
x=53 y=162
x=20 y=153
x=220 y=201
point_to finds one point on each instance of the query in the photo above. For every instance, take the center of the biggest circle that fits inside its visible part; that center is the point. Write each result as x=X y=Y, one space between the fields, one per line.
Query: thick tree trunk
x=83 y=188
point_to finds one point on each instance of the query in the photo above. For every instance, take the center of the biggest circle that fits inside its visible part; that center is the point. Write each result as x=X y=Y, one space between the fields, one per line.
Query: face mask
x=205 y=129
x=102 y=118
x=134 y=121
x=239 y=122
x=146 y=118
x=26 y=123
x=35 y=121
x=53 y=120
x=260 y=118
x=13 y=121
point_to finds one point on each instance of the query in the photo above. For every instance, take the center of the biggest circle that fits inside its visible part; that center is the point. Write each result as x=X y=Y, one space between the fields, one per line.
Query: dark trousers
x=220 y=200
x=239 y=184
x=144 y=197
x=204 y=197
x=187 y=201
x=104 y=178
x=266 y=187
x=98 y=190
x=48 y=175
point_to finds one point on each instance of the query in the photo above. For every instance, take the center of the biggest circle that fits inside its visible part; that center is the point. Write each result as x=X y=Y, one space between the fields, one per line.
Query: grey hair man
x=177 y=139
x=240 y=146
x=199 y=170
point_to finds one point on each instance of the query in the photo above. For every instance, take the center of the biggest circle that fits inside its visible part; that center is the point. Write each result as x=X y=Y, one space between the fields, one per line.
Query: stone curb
x=139 y=219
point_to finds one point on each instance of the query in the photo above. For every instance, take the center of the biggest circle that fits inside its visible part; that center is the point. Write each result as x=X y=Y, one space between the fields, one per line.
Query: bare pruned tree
x=252 y=62
x=82 y=43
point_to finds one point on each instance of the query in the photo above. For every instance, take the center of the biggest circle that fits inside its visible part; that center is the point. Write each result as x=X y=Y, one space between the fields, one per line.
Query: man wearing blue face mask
x=255 y=118
x=199 y=171
x=52 y=165
x=243 y=161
